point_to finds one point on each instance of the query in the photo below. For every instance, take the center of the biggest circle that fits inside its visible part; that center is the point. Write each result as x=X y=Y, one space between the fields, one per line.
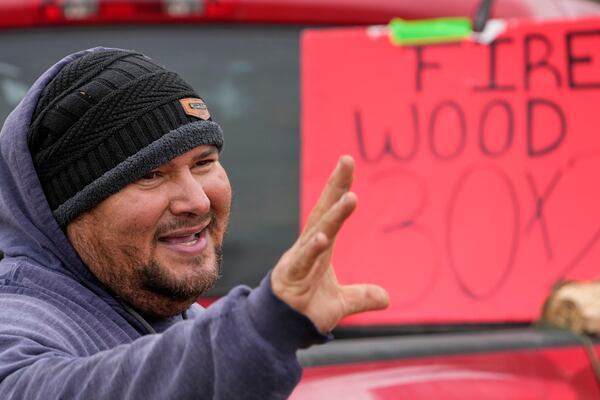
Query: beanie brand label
x=195 y=107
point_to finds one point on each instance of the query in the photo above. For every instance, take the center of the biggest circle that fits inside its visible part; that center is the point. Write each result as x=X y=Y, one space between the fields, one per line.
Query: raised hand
x=304 y=277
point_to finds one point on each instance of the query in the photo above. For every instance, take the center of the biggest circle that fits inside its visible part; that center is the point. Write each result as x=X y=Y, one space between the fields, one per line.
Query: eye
x=150 y=177
x=205 y=162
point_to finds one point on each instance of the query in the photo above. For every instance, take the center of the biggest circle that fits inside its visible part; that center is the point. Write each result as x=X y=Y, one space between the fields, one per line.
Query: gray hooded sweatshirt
x=64 y=336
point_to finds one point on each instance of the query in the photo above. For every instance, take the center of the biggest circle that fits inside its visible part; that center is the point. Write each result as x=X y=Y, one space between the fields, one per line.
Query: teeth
x=188 y=240
x=193 y=241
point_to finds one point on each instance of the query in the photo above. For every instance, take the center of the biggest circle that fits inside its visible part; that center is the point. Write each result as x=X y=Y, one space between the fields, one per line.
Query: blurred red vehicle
x=243 y=57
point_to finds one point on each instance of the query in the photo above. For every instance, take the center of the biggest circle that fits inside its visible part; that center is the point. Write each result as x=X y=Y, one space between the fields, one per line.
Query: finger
x=304 y=258
x=331 y=223
x=338 y=183
x=328 y=227
x=360 y=298
x=319 y=239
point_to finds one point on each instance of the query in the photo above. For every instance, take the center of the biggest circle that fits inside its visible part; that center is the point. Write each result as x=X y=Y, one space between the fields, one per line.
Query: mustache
x=182 y=222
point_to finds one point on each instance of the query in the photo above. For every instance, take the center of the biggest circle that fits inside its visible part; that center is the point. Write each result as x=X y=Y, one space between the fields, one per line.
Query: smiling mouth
x=187 y=242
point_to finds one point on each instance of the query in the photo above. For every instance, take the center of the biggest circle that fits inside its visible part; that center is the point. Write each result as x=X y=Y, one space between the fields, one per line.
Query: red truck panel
x=552 y=373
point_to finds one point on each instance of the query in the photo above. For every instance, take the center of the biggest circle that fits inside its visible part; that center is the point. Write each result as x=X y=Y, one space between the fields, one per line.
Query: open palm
x=304 y=277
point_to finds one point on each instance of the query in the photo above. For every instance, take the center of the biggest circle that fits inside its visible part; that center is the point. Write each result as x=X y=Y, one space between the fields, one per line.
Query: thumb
x=359 y=298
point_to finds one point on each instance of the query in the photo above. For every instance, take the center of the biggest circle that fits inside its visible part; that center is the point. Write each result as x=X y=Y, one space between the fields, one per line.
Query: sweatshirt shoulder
x=52 y=308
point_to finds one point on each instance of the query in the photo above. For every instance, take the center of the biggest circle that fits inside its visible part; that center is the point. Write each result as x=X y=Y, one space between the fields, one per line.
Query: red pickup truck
x=243 y=56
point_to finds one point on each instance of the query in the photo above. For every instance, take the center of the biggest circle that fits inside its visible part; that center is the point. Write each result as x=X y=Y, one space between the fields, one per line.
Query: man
x=113 y=209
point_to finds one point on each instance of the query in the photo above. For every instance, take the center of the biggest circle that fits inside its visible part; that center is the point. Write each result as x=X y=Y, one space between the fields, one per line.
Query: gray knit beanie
x=107 y=119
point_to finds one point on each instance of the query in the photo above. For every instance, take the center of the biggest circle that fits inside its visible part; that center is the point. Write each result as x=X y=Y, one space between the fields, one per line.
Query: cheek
x=218 y=191
x=134 y=215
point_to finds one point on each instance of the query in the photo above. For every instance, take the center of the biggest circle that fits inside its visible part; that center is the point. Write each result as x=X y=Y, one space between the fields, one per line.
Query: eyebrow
x=206 y=153
x=211 y=150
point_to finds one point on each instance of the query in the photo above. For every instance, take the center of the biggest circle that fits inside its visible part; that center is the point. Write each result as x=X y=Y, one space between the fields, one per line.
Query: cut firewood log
x=574 y=306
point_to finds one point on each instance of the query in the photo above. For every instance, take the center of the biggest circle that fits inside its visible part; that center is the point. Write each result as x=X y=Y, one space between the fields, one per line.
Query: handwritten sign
x=477 y=166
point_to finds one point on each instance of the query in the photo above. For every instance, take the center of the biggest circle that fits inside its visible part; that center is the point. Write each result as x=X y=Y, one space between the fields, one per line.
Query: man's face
x=157 y=242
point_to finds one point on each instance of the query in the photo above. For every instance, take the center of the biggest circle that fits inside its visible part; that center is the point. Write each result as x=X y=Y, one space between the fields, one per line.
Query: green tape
x=426 y=31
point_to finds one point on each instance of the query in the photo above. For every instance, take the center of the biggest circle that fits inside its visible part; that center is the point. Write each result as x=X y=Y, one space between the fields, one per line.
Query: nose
x=188 y=196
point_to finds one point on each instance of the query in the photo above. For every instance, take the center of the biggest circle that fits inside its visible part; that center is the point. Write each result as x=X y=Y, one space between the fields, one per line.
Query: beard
x=154 y=278
x=140 y=279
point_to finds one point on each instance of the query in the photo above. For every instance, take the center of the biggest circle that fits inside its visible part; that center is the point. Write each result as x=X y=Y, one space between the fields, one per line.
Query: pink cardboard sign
x=477 y=166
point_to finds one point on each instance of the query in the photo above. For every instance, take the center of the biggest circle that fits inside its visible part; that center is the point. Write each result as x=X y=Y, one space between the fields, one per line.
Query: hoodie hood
x=27 y=227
